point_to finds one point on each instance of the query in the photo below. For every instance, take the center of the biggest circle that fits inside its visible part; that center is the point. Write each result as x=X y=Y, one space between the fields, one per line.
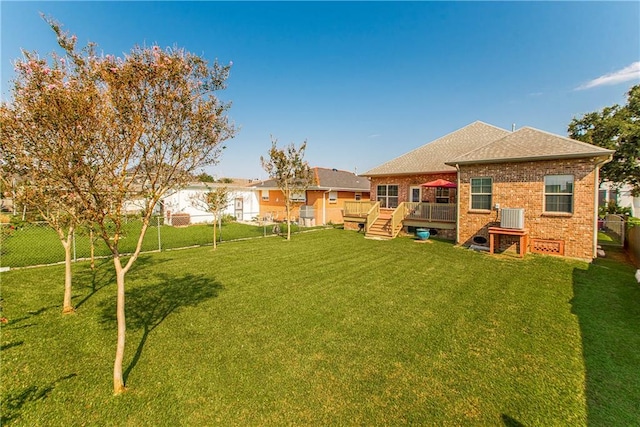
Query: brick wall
x=329 y=212
x=405 y=182
x=521 y=185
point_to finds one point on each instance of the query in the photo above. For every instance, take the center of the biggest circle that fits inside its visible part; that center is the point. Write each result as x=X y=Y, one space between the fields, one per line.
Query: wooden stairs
x=381 y=228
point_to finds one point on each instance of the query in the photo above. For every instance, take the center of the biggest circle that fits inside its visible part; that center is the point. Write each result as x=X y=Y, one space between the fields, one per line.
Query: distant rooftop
x=327 y=179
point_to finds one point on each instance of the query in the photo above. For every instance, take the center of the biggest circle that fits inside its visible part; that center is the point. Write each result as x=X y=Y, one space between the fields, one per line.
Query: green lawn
x=328 y=329
x=38 y=244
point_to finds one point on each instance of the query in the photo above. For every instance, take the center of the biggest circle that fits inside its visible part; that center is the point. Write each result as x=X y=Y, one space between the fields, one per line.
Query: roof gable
x=432 y=157
x=528 y=144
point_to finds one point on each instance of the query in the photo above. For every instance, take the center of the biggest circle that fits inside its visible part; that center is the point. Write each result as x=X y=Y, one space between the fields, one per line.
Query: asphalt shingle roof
x=527 y=144
x=328 y=179
x=432 y=156
x=483 y=143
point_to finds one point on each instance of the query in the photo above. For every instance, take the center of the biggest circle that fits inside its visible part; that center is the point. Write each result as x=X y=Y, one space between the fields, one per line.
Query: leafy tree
x=205 y=177
x=616 y=128
x=159 y=123
x=291 y=173
x=45 y=132
x=215 y=200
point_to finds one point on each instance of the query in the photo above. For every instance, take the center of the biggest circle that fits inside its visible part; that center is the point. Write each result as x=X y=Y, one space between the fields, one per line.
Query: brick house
x=553 y=178
x=323 y=202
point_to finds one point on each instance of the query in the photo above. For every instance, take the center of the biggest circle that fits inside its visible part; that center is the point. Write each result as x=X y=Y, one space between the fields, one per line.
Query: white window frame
x=563 y=194
x=483 y=194
x=443 y=194
x=298 y=196
x=384 y=199
x=333 y=197
x=264 y=195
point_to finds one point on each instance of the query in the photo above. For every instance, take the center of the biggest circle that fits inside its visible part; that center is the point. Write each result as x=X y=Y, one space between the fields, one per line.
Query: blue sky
x=365 y=82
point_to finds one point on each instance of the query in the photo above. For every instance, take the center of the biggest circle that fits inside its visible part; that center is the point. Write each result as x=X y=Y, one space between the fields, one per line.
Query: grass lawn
x=37 y=244
x=328 y=329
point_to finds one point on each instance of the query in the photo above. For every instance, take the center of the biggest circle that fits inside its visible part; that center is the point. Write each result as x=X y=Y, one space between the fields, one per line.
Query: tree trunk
x=288 y=222
x=215 y=223
x=118 y=379
x=67 y=306
x=92 y=248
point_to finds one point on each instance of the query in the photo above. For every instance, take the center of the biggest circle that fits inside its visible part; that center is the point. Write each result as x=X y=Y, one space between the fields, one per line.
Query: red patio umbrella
x=439 y=183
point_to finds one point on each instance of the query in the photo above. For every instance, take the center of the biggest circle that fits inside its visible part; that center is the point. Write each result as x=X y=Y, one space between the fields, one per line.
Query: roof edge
x=533 y=158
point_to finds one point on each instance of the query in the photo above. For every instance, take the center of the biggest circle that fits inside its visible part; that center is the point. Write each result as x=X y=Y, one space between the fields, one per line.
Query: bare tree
x=160 y=122
x=214 y=201
x=291 y=173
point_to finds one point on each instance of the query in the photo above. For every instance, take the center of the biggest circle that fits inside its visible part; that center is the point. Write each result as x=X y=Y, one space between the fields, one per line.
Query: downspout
x=324 y=207
x=595 y=203
x=457 y=204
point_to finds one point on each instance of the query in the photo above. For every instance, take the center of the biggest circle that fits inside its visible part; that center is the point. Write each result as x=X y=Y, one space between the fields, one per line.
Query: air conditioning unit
x=512 y=218
x=307 y=212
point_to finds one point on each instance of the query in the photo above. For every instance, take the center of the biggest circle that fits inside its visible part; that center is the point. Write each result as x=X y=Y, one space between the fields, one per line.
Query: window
x=333 y=196
x=558 y=193
x=358 y=196
x=298 y=196
x=481 y=193
x=265 y=195
x=442 y=195
x=388 y=196
x=416 y=194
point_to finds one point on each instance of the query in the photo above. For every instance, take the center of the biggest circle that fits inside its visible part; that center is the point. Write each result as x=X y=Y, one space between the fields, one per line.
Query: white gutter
x=595 y=202
x=324 y=207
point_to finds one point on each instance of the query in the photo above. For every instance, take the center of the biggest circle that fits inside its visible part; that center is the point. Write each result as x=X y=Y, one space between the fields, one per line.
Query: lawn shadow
x=510 y=422
x=97 y=278
x=146 y=307
x=606 y=302
x=7 y=346
x=13 y=402
x=104 y=274
x=30 y=314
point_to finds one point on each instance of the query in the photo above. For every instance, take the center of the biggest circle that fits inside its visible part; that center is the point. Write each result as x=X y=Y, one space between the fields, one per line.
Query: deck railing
x=358 y=208
x=372 y=215
x=434 y=212
x=398 y=216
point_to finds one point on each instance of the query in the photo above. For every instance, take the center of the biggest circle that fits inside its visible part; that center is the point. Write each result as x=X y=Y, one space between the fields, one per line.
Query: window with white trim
x=558 y=193
x=442 y=195
x=265 y=195
x=333 y=196
x=298 y=196
x=481 y=193
x=387 y=195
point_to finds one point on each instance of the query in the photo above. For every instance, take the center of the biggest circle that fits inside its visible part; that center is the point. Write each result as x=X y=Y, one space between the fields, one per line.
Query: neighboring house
x=553 y=178
x=323 y=202
x=243 y=202
x=618 y=193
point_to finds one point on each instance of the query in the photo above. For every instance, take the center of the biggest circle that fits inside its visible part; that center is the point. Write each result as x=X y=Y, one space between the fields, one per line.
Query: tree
x=44 y=135
x=616 y=128
x=291 y=173
x=160 y=122
x=215 y=200
x=205 y=177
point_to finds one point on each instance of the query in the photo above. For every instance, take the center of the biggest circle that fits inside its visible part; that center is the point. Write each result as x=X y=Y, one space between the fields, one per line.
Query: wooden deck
x=390 y=221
